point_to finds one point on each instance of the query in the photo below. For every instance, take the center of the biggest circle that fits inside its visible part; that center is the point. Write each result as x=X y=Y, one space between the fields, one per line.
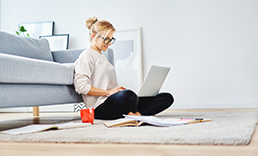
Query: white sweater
x=93 y=69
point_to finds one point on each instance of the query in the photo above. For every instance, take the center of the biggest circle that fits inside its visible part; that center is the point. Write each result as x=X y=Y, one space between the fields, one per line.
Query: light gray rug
x=226 y=128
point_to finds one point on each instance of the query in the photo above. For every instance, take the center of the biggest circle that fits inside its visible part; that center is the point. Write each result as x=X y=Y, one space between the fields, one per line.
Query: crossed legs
x=127 y=101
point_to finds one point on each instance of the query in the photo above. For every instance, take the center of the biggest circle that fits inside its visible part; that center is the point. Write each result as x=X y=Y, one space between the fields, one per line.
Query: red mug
x=87 y=115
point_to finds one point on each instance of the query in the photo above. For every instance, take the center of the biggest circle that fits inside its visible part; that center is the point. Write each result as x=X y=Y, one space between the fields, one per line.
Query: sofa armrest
x=23 y=70
x=66 y=56
x=70 y=56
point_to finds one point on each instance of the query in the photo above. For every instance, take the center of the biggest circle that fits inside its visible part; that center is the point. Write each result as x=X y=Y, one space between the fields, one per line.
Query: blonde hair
x=96 y=27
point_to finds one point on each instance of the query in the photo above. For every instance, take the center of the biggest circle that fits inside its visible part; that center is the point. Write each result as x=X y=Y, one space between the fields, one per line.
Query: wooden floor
x=11 y=120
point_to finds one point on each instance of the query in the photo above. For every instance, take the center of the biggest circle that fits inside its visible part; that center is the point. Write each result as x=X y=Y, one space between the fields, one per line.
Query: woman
x=95 y=78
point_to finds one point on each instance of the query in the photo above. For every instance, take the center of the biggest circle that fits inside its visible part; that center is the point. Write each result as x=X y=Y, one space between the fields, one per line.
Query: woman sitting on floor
x=95 y=79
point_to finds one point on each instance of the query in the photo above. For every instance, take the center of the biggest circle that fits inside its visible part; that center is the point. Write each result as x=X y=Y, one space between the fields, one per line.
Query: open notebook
x=39 y=128
x=132 y=120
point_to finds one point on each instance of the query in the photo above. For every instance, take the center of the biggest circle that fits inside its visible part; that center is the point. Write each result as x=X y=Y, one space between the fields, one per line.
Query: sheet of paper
x=72 y=125
x=156 y=121
x=28 y=129
x=39 y=127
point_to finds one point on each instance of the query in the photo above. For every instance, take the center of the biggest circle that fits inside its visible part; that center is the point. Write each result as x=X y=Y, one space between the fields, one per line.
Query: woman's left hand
x=115 y=90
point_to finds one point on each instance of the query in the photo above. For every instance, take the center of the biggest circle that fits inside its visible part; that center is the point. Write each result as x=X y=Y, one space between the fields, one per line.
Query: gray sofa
x=31 y=75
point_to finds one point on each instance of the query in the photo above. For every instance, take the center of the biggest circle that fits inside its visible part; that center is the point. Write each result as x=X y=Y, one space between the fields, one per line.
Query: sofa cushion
x=25 y=46
x=17 y=69
x=66 y=56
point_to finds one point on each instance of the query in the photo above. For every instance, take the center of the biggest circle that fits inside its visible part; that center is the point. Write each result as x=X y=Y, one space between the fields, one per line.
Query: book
x=132 y=120
x=43 y=127
x=123 y=122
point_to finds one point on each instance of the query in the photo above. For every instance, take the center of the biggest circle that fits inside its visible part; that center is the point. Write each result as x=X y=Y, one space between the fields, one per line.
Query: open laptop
x=153 y=81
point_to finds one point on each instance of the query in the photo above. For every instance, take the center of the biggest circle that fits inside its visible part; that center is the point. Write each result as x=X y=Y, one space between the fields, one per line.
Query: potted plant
x=22 y=30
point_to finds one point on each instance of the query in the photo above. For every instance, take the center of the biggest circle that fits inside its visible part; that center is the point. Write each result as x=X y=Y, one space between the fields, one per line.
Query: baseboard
x=15 y=110
x=42 y=109
x=55 y=108
x=215 y=106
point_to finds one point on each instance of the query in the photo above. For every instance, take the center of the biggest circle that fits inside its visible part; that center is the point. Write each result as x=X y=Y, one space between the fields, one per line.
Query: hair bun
x=90 y=21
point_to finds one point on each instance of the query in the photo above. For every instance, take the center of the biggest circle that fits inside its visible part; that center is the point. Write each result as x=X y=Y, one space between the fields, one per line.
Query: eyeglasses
x=107 y=40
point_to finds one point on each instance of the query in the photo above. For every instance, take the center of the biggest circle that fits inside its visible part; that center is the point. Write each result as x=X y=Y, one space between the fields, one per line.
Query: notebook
x=153 y=81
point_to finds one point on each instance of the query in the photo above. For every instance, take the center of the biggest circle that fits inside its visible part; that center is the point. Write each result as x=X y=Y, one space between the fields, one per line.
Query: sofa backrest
x=71 y=55
x=25 y=46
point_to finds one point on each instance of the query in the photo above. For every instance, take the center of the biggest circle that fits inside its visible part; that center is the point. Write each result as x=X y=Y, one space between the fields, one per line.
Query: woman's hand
x=115 y=90
x=100 y=92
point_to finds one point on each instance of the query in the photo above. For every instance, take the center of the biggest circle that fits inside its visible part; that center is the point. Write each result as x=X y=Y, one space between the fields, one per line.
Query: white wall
x=212 y=46
x=0 y=14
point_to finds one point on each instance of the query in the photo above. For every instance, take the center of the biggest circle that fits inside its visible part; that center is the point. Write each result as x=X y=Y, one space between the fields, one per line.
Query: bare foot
x=137 y=113
x=130 y=113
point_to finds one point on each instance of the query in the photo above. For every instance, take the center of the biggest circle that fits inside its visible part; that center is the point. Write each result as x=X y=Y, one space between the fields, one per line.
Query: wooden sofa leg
x=36 y=111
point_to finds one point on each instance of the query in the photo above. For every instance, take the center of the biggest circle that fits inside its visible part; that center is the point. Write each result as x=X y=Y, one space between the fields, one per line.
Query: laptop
x=153 y=81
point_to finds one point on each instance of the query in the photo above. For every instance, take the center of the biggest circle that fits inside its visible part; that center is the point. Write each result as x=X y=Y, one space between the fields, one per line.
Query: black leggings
x=127 y=101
